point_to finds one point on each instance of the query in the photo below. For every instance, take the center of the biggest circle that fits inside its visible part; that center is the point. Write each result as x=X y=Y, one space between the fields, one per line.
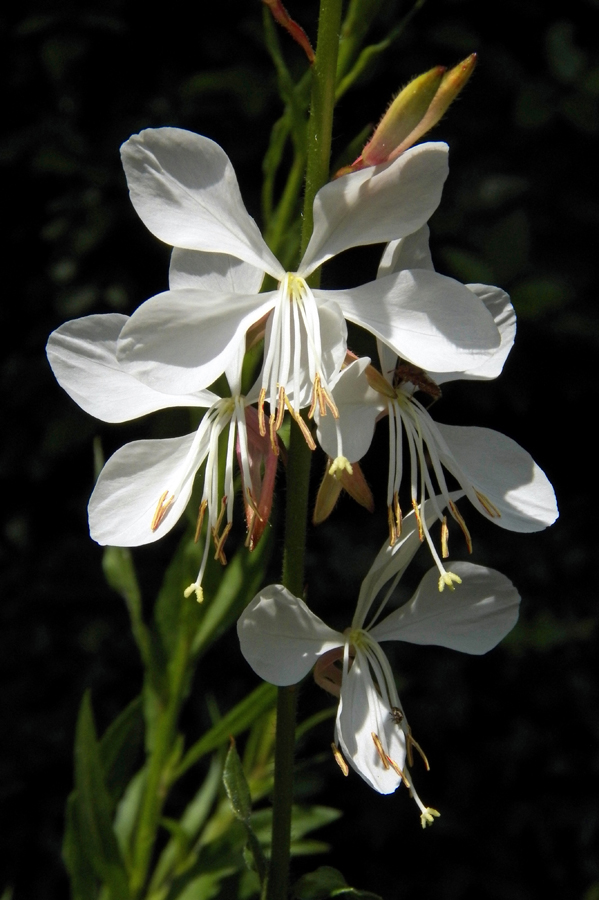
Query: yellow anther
x=418 y=520
x=399 y=771
x=459 y=519
x=444 y=538
x=201 y=511
x=490 y=507
x=416 y=745
x=339 y=759
x=379 y=749
x=162 y=508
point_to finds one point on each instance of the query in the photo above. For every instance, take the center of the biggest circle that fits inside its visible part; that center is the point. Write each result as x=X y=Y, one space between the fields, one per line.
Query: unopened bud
x=451 y=85
x=415 y=110
x=402 y=117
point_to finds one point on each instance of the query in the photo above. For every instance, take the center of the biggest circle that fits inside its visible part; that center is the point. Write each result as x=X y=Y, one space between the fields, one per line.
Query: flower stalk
x=320 y=127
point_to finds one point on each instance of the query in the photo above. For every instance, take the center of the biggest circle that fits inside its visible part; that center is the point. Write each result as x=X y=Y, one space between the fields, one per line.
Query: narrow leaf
x=93 y=807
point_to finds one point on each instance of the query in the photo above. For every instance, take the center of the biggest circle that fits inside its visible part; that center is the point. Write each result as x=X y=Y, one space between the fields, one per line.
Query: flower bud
x=415 y=110
x=402 y=117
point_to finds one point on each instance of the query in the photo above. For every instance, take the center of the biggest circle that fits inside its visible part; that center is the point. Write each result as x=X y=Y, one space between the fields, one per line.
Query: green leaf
x=84 y=884
x=120 y=748
x=240 y=799
x=328 y=882
x=93 y=807
x=119 y=571
x=304 y=819
x=176 y=854
x=237 y=720
x=236 y=785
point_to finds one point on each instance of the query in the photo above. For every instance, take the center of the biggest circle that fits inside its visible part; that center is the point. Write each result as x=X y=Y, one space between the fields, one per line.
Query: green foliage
x=327 y=882
x=90 y=843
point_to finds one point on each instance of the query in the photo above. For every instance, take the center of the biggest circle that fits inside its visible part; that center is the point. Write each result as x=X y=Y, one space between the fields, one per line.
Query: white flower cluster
x=429 y=329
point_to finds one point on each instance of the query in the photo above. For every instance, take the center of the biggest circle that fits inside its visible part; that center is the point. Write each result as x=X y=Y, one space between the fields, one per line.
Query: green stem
x=320 y=128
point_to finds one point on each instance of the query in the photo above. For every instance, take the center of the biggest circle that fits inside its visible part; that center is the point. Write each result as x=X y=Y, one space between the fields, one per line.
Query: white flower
x=184 y=188
x=145 y=486
x=282 y=639
x=499 y=477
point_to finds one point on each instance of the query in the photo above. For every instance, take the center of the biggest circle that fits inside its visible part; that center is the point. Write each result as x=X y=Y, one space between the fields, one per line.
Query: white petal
x=429 y=320
x=358 y=406
x=183 y=340
x=82 y=354
x=473 y=618
x=410 y=252
x=504 y=315
x=505 y=473
x=376 y=204
x=213 y=272
x=130 y=486
x=281 y=638
x=184 y=189
x=362 y=713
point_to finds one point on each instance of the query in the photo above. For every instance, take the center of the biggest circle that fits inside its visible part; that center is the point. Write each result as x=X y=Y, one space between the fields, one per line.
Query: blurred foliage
x=512 y=738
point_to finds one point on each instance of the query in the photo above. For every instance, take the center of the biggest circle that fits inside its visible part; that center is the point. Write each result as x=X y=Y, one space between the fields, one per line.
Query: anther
x=161 y=509
x=339 y=759
x=418 y=520
x=460 y=520
x=444 y=538
x=379 y=749
x=261 y=419
x=416 y=745
x=398 y=771
x=200 y=522
x=490 y=507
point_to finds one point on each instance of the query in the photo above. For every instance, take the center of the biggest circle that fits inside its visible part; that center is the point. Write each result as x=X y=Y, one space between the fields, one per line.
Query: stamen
x=460 y=520
x=261 y=419
x=339 y=759
x=379 y=749
x=392 y=530
x=281 y=401
x=490 y=507
x=219 y=543
x=302 y=425
x=161 y=510
x=413 y=743
x=202 y=510
x=444 y=538
x=399 y=772
x=418 y=519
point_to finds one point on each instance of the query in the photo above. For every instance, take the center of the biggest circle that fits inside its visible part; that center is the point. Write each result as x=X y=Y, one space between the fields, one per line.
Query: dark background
x=512 y=737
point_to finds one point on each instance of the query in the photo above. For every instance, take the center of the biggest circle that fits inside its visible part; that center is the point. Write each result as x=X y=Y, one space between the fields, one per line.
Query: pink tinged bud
x=402 y=117
x=280 y=15
x=331 y=487
x=258 y=495
x=451 y=85
x=415 y=110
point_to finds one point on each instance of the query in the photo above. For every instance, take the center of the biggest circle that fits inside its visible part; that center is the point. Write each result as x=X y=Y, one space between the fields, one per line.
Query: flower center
x=293 y=375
